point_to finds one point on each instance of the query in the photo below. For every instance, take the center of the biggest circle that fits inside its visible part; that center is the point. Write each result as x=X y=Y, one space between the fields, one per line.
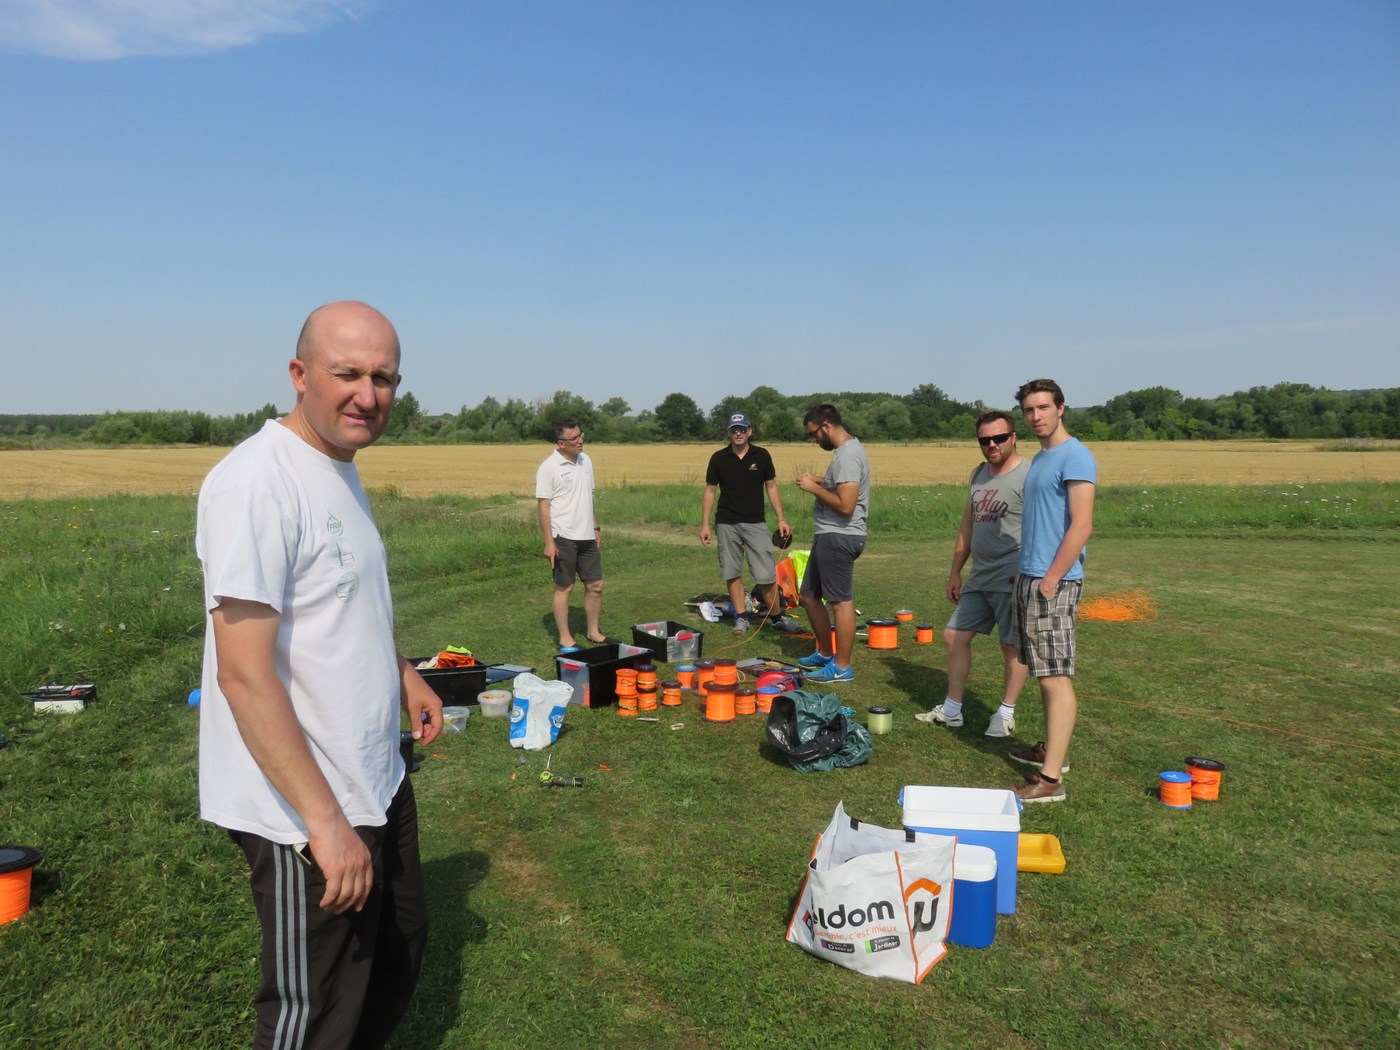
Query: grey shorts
x=980 y=611
x=750 y=540
x=831 y=566
x=1045 y=628
x=579 y=558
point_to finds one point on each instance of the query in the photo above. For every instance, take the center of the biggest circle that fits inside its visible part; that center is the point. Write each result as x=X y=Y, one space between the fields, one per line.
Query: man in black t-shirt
x=743 y=473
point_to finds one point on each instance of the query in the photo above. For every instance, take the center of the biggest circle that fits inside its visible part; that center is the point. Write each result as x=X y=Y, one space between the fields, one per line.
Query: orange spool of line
x=646 y=699
x=646 y=676
x=16 y=878
x=923 y=633
x=726 y=672
x=670 y=694
x=1205 y=778
x=882 y=634
x=627 y=704
x=764 y=698
x=704 y=674
x=685 y=676
x=719 y=703
x=1176 y=789
x=745 y=700
x=905 y=615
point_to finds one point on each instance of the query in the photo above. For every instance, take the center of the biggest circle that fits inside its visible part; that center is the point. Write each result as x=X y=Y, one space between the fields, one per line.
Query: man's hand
x=345 y=861
x=1047 y=587
x=809 y=482
x=420 y=703
x=550 y=552
x=705 y=535
x=954 y=587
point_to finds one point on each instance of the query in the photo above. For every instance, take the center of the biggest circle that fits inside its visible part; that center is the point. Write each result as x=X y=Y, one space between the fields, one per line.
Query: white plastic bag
x=537 y=711
x=876 y=900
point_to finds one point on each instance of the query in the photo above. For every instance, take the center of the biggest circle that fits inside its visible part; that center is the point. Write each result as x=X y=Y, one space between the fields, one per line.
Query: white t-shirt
x=282 y=524
x=569 y=489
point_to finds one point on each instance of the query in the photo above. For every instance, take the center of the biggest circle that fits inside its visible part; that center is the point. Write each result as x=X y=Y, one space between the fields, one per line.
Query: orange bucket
x=16 y=877
x=1205 y=778
x=923 y=633
x=882 y=634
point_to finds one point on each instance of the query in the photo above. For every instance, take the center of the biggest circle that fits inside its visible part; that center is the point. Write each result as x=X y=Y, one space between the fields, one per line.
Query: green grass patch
x=648 y=908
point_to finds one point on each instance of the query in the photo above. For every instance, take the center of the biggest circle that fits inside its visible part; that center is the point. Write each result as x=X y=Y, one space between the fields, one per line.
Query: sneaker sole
x=1033 y=765
x=1005 y=732
x=1046 y=798
x=938 y=721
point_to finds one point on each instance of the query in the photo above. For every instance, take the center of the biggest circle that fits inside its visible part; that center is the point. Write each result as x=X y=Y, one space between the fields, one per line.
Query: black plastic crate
x=593 y=672
x=455 y=686
x=668 y=641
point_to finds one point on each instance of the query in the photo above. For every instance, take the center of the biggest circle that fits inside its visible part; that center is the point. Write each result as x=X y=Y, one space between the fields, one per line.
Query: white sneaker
x=937 y=716
x=741 y=625
x=1000 y=725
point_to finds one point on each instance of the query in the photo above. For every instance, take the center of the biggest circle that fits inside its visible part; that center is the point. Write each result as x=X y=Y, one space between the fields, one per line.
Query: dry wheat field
x=484 y=470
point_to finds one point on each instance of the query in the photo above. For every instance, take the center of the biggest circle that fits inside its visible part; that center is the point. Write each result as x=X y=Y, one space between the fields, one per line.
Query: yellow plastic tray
x=1040 y=853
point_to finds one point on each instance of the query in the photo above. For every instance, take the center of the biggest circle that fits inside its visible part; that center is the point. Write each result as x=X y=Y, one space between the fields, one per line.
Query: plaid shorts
x=1045 y=627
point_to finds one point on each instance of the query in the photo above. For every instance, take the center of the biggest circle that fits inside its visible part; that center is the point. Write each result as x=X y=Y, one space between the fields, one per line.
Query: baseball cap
x=738 y=419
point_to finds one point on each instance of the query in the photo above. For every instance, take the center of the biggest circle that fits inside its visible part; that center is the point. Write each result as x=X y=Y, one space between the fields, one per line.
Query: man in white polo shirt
x=572 y=539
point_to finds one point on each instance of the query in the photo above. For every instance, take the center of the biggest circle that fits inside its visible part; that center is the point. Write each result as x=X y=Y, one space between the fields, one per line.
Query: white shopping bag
x=537 y=711
x=875 y=899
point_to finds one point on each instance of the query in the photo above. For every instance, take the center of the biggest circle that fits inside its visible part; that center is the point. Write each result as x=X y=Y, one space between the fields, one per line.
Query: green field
x=648 y=908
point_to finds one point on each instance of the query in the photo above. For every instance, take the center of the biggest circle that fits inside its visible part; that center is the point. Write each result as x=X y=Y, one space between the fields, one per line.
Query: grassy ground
x=648 y=907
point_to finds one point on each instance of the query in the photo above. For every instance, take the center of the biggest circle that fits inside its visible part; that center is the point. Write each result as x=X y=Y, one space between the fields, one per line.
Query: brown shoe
x=1038 y=789
x=1032 y=756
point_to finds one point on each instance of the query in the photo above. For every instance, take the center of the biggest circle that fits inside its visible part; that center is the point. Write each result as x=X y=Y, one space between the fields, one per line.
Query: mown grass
x=648 y=907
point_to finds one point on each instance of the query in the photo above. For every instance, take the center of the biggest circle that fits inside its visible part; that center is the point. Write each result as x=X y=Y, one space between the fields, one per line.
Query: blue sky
x=633 y=198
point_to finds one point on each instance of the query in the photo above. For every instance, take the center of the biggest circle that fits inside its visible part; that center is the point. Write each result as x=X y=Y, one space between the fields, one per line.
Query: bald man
x=302 y=688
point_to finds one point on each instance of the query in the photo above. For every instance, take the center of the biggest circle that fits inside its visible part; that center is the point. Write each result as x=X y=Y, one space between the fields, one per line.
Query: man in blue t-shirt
x=1056 y=521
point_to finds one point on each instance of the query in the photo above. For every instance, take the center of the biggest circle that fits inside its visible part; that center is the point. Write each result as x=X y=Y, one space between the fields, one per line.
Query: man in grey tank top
x=991 y=534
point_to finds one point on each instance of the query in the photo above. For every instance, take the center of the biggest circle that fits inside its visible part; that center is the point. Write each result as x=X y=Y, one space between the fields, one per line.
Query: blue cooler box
x=978 y=817
x=974 y=922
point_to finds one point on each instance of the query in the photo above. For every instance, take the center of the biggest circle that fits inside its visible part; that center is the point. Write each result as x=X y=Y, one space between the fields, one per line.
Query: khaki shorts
x=746 y=540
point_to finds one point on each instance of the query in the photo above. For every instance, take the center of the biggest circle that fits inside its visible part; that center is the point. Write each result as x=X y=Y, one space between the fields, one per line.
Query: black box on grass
x=675 y=643
x=455 y=686
x=593 y=672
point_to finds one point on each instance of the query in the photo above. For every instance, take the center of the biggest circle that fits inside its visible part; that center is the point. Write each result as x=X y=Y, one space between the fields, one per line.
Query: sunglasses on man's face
x=999 y=439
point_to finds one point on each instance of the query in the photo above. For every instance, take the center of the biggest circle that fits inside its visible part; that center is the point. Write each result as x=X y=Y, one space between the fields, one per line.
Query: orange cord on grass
x=1134 y=606
x=1254 y=725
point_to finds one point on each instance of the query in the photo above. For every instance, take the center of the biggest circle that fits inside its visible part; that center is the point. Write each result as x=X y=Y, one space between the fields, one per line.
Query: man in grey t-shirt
x=991 y=533
x=839 y=510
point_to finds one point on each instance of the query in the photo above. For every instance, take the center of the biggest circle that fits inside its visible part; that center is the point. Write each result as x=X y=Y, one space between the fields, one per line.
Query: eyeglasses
x=999 y=439
x=571 y=440
x=812 y=434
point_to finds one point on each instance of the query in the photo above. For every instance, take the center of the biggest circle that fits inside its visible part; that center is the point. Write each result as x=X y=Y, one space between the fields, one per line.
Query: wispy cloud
x=107 y=29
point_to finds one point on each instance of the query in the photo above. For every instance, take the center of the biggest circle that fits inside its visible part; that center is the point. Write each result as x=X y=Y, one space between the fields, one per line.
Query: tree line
x=1285 y=410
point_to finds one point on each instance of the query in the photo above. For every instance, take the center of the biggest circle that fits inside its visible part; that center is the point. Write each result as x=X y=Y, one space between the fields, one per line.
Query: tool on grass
x=554 y=780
